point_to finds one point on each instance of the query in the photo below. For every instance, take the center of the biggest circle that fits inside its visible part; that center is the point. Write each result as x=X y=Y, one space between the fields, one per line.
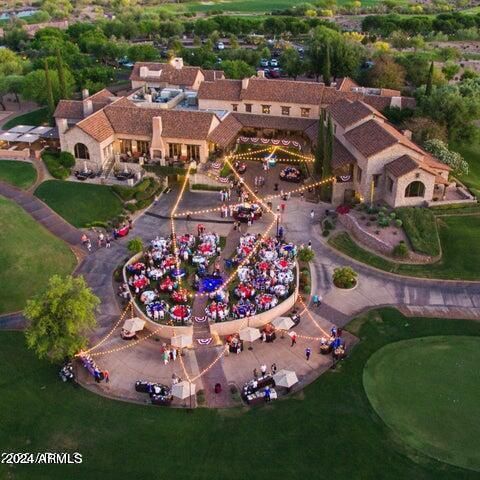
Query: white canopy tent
x=183 y=390
x=9 y=136
x=27 y=138
x=22 y=128
x=285 y=378
x=181 y=341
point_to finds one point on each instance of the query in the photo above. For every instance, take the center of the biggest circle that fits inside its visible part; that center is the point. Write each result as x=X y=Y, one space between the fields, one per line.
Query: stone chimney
x=245 y=83
x=143 y=71
x=87 y=108
x=407 y=134
x=177 y=62
x=261 y=74
x=85 y=93
x=148 y=97
x=157 y=129
x=62 y=125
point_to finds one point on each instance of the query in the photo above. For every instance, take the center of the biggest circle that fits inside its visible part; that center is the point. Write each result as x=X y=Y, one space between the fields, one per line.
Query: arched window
x=415 y=189
x=81 y=151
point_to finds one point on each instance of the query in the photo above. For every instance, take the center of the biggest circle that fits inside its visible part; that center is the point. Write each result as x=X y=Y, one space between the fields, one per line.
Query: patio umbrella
x=285 y=378
x=181 y=341
x=183 y=390
x=134 y=324
x=250 y=334
x=283 y=323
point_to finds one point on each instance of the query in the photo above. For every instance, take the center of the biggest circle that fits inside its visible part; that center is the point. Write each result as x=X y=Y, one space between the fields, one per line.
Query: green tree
x=14 y=84
x=320 y=150
x=35 y=86
x=60 y=318
x=450 y=69
x=291 y=62
x=385 y=73
x=326 y=65
x=10 y=63
x=429 y=87
x=326 y=190
x=453 y=159
x=61 y=76
x=48 y=84
x=57 y=9
x=237 y=69
x=135 y=245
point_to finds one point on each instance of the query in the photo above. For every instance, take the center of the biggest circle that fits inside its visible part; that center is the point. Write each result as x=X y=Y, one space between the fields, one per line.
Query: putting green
x=427 y=391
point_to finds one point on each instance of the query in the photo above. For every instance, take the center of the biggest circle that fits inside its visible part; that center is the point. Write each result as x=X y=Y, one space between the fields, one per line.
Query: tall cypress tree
x=428 y=89
x=326 y=191
x=61 y=75
x=48 y=85
x=320 y=151
x=327 y=66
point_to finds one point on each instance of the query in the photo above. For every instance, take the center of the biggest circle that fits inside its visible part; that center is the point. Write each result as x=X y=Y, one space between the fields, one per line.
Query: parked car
x=274 y=62
x=264 y=62
x=273 y=73
x=220 y=46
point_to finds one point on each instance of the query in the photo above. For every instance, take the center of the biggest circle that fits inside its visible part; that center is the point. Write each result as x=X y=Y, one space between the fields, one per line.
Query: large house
x=186 y=113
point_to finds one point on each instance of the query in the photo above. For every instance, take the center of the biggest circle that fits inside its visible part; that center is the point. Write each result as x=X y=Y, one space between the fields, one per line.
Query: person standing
x=274 y=368
x=106 y=376
x=293 y=337
x=255 y=373
x=312 y=215
x=267 y=394
x=263 y=369
x=308 y=352
x=108 y=242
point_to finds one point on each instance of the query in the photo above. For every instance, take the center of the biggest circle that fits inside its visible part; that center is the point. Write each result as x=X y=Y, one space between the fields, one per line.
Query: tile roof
x=346 y=112
x=211 y=75
x=97 y=126
x=287 y=91
x=401 y=166
x=132 y=120
x=220 y=90
x=185 y=76
x=226 y=132
x=233 y=123
x=341 y=156
x=72 y=109
x=346 y=84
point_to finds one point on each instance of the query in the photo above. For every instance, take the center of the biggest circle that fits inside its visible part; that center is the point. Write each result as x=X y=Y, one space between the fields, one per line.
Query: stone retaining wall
x=374 y=243
x=15 y=154
x=221 y=328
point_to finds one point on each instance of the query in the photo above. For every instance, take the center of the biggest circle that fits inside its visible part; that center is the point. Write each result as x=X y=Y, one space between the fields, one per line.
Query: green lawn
x=80 y=203
x=35 y=118
x=460 y=240
x=426 y=391
x=20 y=174
x=329 y=427
x=471 y=153
x=29 y=256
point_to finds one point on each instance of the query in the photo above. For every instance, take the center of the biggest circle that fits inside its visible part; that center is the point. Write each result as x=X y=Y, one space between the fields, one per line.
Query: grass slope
x=425 y=389
x=80 y=203
x=330 y=429
x=19 y=174
x=460 y=240
x=35 y=118
x=29 y=256
x=471 y=153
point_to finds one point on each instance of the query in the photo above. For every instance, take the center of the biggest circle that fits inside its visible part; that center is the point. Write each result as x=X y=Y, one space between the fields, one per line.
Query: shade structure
x=134 y=324
x=42 y=130
x=183 y=389
x=28 y=138
x=285 y=378
x=22 y=128
x=250 y=334
x=181 y=341
x=283 y=323
x=9 y=136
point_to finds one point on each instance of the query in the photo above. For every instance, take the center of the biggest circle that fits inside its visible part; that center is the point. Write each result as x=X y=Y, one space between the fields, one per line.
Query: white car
x=220 y=46
x=274 y=62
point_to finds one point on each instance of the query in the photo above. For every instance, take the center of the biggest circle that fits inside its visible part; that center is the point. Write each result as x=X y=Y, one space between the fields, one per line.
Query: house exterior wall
x=275 y=107
x=95 y=149
x=399 y=189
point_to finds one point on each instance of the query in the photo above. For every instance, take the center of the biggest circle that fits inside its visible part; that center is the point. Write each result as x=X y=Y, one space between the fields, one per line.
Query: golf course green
x=426 y=391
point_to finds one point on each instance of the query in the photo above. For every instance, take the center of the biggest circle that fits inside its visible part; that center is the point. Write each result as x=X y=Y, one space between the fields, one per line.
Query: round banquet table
x=148 y=296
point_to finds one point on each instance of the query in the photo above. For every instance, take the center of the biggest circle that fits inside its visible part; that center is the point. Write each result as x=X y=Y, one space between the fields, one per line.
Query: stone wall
x=6 y=154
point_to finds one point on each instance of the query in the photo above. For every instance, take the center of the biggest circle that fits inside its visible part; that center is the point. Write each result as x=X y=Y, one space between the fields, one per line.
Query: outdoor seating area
x=27 y=140
x=291 y=174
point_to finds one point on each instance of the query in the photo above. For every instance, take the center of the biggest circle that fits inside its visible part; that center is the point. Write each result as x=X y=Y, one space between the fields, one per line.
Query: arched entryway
x=81 y=151
x=415 y=189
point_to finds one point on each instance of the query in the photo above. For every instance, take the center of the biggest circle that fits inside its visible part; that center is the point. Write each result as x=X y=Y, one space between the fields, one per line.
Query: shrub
x=400 y=250
x=393 y=216
x=344 y=277
x=55 y=169
x=421 y=228
x=398 y=223
x=306 y=254
x=135 y=245
x=208 y=188
x=383 y=222
x=66 y=159
x=326 y=232
x=328 y=225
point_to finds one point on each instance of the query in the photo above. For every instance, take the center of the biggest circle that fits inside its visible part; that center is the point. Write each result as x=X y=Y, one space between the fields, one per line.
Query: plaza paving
x=375 y=288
